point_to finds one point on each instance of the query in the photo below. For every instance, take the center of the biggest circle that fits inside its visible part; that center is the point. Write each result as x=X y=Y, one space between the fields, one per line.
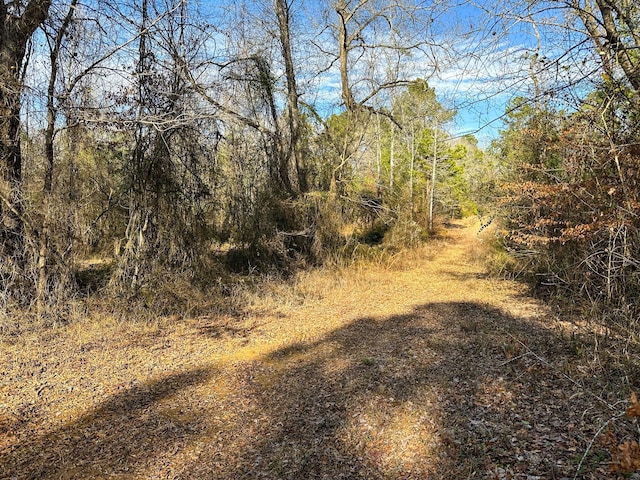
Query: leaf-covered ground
x=421 y=369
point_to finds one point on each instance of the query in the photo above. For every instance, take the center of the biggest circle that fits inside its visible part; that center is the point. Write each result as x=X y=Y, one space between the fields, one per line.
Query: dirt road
x=417 y=367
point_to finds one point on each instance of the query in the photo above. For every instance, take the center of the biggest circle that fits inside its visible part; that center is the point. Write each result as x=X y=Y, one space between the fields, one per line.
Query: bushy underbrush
x=566 y=249
x=598 y=273
x=152 y=275
x=570 y=203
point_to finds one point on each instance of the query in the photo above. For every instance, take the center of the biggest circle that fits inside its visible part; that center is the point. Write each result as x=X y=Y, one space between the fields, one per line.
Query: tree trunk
x=294 y=121
x=378 y=158
x=625 y=54
x=413 y=161
x=434 y=165
x=15 y=31
x=47 y=189
x=607 y=32
x=391 y=158
x=343 y=40
x=12 y=226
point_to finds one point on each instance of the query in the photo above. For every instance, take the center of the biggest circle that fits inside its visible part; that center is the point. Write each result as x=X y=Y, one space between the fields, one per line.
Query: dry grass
x=419 y=367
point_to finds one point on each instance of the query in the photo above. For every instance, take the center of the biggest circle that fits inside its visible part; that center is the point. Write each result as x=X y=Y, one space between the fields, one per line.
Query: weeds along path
x=417 y=367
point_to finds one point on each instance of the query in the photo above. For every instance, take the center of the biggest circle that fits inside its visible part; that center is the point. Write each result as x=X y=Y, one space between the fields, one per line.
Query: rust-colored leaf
x=633 y=410
x=627 y=458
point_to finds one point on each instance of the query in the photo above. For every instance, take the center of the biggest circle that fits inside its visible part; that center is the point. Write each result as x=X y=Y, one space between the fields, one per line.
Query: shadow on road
x=123 y=432
x=445 y=391
x=442 y=392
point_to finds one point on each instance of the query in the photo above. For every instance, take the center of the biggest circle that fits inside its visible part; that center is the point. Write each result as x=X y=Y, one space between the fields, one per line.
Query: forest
x=142 y=143
x=161 y=158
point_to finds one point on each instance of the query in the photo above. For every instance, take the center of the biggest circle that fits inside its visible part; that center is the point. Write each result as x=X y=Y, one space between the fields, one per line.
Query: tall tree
x=55 y=41
x=367 y=30
x=422 y=118
x=18 y=22
x=294 y=120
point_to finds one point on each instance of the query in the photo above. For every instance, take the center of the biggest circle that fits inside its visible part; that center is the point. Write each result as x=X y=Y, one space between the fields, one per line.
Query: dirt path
x=416 y=370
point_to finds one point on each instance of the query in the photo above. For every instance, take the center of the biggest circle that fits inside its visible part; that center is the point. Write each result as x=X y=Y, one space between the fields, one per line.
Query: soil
x=422 y=367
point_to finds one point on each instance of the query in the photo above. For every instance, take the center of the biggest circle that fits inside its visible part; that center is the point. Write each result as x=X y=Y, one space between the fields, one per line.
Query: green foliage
x=338 y=147
x=407 y=145
x=456 y=185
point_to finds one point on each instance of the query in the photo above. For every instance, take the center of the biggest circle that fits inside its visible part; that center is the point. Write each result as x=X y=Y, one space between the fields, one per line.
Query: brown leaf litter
x=425 y=370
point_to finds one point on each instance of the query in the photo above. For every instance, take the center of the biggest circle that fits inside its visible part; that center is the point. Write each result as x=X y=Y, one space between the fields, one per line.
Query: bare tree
x=163 y=171
x=614 y=28
x=294 y=120
x=364 y=32
x=367 y=30
x=55 y=41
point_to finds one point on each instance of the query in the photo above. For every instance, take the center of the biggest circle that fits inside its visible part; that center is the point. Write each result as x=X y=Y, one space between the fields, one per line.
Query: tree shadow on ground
x=116 y=438
x=446 y=391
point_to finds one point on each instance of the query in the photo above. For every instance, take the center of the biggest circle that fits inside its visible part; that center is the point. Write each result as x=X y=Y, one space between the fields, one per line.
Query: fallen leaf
x=633 y=410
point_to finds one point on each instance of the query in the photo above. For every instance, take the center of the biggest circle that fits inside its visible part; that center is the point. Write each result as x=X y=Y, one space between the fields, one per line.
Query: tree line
x=181 y=138
x=172 y=138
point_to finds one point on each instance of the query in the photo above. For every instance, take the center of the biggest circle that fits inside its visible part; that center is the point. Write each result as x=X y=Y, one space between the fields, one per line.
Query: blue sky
x=480 y=64
x=486 y=57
